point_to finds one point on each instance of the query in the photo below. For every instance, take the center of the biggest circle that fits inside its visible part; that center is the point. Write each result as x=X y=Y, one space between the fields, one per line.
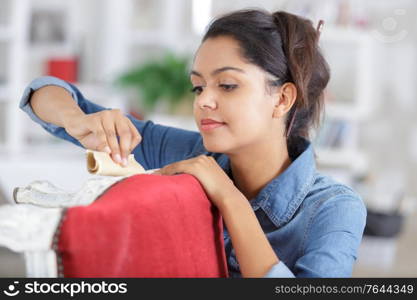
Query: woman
x=259 y=80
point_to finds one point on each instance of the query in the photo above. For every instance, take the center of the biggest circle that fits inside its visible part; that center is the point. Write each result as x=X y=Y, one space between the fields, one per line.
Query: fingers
x=112 y=132
x=120 y=135
x=175 y=168
x=100 y=142
x=191 y=166
x=136 y=137
x=111 y=138
x=125 y=137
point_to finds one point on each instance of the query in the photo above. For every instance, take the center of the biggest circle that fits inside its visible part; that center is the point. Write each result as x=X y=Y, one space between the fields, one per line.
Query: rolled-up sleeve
x=160 y=144
x=35 y=85
x=52 y=128
x=279 y=270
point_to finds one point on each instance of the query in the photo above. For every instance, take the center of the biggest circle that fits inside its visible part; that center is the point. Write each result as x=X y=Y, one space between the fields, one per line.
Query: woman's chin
x=215 y=147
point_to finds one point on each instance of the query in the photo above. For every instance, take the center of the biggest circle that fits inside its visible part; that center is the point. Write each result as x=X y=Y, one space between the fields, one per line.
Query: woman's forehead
x=220 y=53
x=219 y=49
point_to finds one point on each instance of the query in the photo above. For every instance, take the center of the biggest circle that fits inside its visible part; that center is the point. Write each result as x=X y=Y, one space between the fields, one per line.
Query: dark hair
x=286 y=46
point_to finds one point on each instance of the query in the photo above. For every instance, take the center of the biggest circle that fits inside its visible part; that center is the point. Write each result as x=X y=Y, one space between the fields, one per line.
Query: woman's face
x=228 y=89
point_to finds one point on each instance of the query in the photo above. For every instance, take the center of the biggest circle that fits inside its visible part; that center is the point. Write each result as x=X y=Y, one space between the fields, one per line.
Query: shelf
x=341 y=158
x=5 y=33
x=103 y=94
x=93 y=90
x=147 y=38
x=343 y=34
x=350 y=112
x=53 y=153
x=4 y=93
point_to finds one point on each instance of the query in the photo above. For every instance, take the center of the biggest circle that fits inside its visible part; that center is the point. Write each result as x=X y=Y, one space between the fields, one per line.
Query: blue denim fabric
x=313 y=223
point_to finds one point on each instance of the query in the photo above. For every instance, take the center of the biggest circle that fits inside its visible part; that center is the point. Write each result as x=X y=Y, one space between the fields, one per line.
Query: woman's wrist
x=230 y=200
x=67 y=116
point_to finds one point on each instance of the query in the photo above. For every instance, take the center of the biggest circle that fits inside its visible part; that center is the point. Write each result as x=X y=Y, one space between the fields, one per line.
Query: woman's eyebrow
x=217 y=71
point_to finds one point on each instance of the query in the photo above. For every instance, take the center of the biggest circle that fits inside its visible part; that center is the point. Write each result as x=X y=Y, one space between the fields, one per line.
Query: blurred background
x=135 y=55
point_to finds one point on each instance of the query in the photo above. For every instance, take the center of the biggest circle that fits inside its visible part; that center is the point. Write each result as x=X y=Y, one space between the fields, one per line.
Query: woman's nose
x=206 y=100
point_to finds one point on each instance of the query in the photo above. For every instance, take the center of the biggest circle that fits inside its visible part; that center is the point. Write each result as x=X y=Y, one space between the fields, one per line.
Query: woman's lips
x=211 y=126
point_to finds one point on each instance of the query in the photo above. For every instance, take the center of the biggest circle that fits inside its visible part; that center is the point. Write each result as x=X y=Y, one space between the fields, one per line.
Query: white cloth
x=45 y=194
x=30 y=229
x=27 y=227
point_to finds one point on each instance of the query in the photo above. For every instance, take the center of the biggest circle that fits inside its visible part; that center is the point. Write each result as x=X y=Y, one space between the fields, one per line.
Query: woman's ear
x=286 y=98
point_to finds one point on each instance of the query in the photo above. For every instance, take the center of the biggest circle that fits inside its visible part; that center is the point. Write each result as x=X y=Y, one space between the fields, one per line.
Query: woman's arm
x=331 y=246
x=160 y=144
x=253 y=250
x=97 y=131
x=55 y=105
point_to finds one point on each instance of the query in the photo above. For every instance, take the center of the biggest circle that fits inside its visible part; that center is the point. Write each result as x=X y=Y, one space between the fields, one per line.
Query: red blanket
x=144 y=226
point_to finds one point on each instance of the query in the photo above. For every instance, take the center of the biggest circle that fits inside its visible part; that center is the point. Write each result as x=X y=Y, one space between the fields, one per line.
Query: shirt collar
x=282 y=196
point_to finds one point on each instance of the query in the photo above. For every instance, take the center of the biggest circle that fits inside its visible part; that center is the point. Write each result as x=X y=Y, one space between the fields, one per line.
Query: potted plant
x=161 y=80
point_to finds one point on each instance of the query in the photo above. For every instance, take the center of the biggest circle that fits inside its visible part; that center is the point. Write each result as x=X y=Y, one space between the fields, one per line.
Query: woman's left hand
x=216 y=183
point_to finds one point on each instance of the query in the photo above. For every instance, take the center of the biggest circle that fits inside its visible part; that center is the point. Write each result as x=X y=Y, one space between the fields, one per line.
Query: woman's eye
x=228 y=87
x=197 y=90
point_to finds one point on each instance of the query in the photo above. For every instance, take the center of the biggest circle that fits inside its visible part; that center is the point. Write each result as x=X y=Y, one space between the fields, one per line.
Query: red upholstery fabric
x=144 y=226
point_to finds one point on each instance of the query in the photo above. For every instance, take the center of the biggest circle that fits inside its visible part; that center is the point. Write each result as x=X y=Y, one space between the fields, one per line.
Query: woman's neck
x=253 y=168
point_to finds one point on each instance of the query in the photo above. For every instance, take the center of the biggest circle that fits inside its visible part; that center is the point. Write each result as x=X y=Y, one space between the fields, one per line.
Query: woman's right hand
x=100 y=131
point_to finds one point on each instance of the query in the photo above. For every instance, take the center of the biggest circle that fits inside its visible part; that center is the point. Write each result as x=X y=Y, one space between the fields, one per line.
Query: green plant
x=165 y=79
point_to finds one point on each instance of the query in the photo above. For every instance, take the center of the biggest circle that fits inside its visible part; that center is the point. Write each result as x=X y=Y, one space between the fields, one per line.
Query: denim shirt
x=313 y=223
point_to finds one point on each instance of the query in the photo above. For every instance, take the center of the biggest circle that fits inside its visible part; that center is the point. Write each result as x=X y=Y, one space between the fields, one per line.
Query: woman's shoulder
x=327 y=193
